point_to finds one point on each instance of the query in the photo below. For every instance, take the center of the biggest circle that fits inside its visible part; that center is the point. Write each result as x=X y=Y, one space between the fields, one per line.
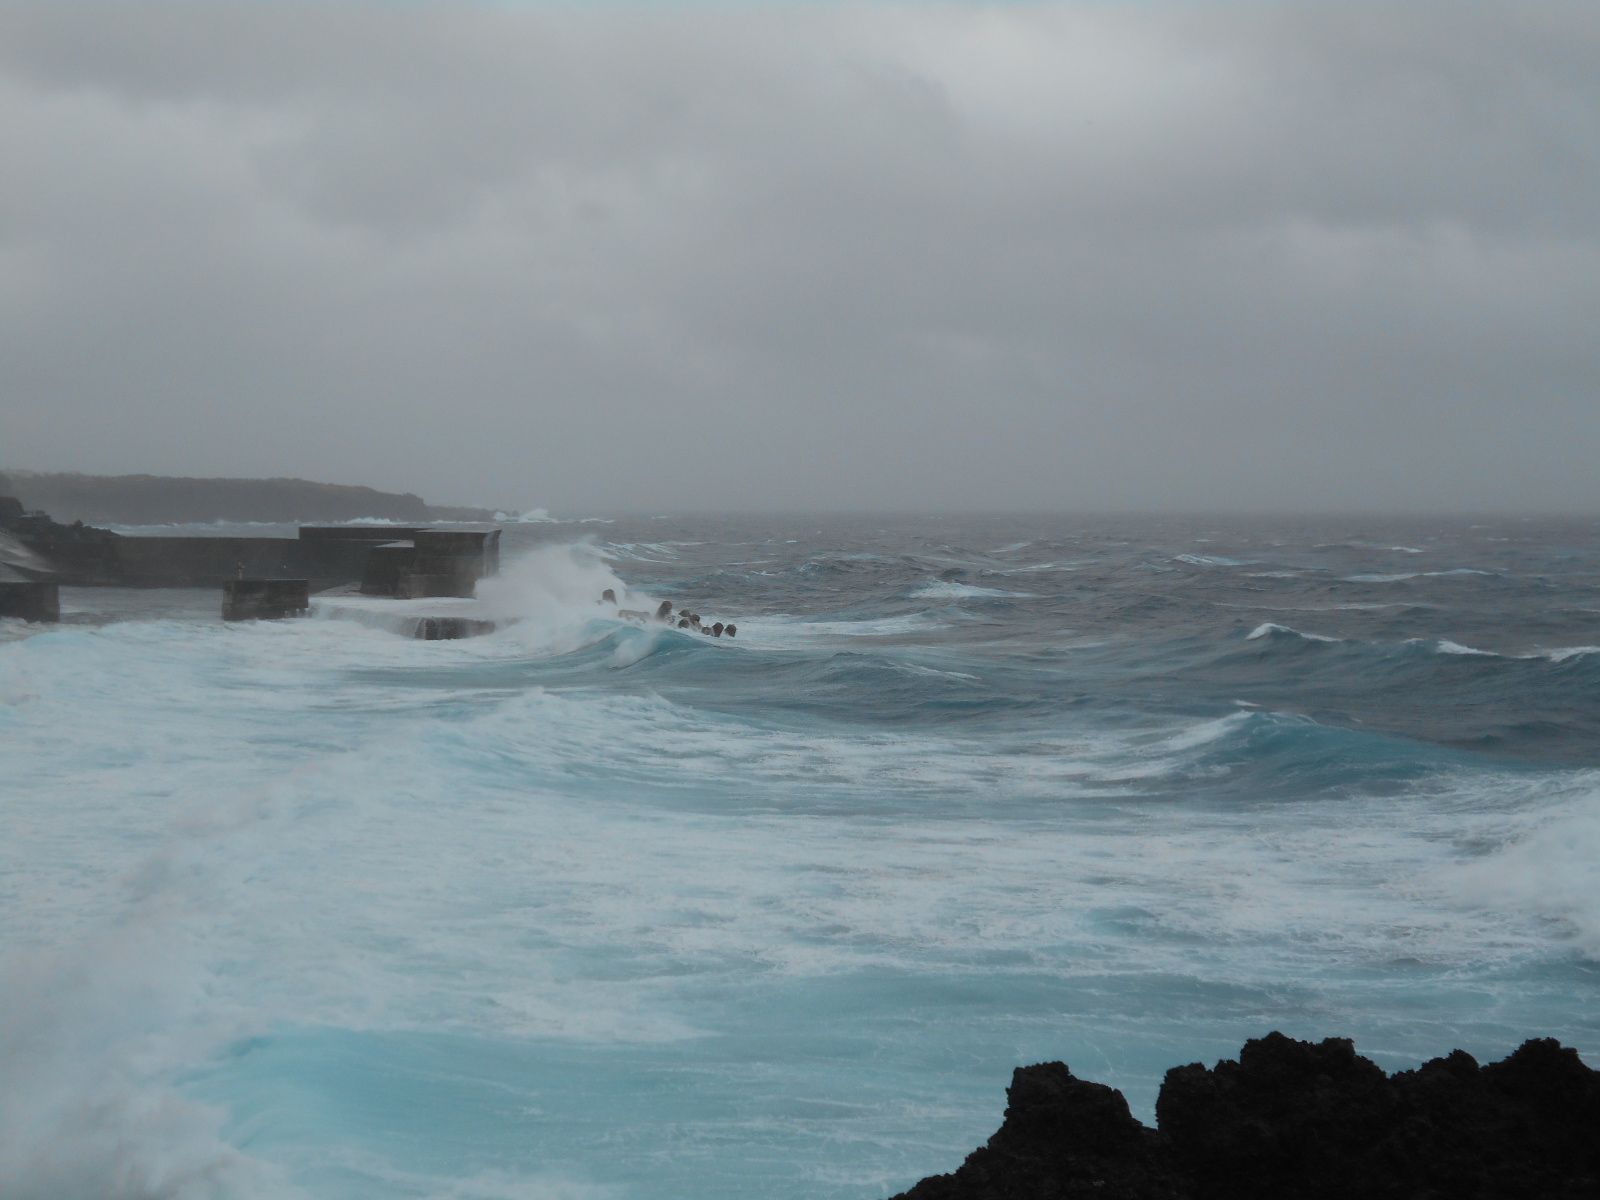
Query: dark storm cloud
x=1033 y=257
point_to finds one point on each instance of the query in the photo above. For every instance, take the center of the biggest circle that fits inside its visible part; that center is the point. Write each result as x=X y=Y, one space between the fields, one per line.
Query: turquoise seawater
x=584 y=909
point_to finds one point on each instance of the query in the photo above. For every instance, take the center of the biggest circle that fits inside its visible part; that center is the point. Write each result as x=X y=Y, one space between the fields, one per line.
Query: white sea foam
x=544 y=599
x=1543 y=861
x=93 y=1036
x=1405 y=575
x=553 y=589
x=945 y=589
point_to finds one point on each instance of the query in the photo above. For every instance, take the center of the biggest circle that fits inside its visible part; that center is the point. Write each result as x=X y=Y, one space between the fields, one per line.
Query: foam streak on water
x=584 y=909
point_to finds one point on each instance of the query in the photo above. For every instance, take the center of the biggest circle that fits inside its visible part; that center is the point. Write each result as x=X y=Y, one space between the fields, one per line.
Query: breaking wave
x=1270 y=629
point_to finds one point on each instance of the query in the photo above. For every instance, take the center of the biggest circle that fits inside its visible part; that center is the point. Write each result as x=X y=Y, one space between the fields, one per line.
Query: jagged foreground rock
x=1295 y=1119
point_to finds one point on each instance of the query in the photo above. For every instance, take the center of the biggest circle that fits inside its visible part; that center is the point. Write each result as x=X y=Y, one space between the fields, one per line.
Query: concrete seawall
x=264 y=599
x=385 y=560
x=201 y=561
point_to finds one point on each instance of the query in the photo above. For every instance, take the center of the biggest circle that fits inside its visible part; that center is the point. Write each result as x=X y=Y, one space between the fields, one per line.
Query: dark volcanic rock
x=1062 y=1137
x=1300 y=1120
x=1287 y=1114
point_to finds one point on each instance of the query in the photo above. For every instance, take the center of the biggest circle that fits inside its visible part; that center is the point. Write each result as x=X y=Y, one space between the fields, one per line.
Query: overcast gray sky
x=1106 y=257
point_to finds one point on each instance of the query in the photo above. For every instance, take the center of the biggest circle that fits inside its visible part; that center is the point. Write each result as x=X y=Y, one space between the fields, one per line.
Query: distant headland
x=170 y=500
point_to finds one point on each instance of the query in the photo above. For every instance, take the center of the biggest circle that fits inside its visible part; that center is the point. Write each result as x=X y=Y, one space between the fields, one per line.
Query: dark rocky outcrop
x=1062 y=1137
x=1299 y=1121
x=33 y=545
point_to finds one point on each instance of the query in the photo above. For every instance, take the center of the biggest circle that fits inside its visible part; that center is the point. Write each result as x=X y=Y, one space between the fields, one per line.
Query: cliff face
x=1299 y=1121
x=161 y=500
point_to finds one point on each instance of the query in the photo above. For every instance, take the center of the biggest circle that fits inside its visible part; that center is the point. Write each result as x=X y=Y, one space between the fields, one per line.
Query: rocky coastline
x=1291 y=1120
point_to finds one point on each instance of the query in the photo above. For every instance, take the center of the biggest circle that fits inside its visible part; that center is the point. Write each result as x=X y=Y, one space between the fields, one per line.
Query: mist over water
x=584 y=909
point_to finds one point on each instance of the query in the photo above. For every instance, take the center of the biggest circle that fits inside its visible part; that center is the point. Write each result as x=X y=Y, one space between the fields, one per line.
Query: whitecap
x=1402 y=576
x=1563 y=653
x=1268 y=628
x=943 y=589
x=1445 y=646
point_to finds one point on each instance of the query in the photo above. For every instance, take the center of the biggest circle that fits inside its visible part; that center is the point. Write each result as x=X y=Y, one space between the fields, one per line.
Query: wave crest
x=1271 y=629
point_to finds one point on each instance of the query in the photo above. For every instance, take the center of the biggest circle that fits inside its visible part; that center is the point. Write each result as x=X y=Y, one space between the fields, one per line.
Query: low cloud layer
x=1153 y=256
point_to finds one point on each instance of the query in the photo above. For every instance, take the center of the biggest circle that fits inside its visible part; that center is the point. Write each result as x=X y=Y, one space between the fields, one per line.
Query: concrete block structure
x=444 y=629
x=30 y=599
x=432 y=562
x=264 y=599
x=414 y=585
x=387 y=563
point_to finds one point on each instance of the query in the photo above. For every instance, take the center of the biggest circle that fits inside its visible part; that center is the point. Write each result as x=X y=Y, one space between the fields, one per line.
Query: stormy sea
x=587 y=909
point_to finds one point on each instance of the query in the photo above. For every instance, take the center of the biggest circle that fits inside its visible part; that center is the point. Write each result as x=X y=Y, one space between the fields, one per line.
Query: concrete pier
x=264 y=599
x=31 y=599
x=445 y=562
x=431 y=563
